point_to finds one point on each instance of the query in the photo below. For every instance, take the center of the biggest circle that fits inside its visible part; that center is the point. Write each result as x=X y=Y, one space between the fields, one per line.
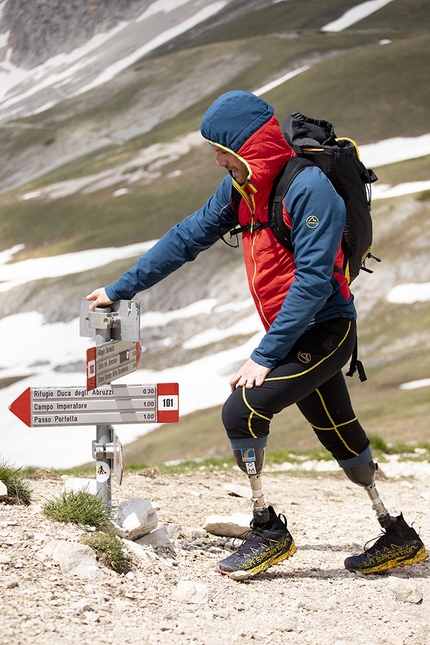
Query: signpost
x=116 y=330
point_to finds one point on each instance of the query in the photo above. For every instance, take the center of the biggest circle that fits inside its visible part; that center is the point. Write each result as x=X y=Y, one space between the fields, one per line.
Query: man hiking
x=309 y=317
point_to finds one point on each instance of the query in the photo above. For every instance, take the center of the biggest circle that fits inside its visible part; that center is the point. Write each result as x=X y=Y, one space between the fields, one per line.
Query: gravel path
x=308 y=600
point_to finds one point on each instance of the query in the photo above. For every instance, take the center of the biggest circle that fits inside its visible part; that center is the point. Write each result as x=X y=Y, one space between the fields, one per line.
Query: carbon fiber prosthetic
x=251 y=462
x=364 y=475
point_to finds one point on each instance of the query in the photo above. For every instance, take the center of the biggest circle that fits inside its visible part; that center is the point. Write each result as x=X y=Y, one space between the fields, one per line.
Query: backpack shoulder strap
x=235 y=199
x=356 y=365
x=280 y=188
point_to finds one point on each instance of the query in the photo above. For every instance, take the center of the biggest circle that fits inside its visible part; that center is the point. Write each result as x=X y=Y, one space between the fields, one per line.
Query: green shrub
x=90 y=510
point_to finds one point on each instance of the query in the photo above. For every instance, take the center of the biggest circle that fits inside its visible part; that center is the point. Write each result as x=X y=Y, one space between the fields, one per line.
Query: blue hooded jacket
x=245 y=125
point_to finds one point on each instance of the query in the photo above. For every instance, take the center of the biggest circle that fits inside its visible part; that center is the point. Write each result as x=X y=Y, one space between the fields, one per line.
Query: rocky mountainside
x=43 y=28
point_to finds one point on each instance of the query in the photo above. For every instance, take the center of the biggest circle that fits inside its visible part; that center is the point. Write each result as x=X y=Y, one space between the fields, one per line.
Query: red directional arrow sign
x=56 y=406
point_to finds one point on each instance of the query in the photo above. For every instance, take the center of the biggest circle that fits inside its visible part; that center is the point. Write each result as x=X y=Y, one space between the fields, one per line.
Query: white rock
x=89 y=590
x=229 y=526
x=157 y=538
x=405 y=590
x=80 y=485
x=3 y=490
x=189 y=591
x=241 y=575
x=147 y=557
x=135 y=517
x=73 y=557
x=330 y=603
x=120 y=605
x=173 y=530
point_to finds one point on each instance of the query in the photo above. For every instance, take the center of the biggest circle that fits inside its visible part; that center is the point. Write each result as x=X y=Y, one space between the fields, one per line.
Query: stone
x=135 y=517
x=173 y=530
x=189 y=591
x=3 y=490
x=73 y=557
x=405 y=590
x=146 y=555
x=228 y=526
x=80 y=485
x=156 y=539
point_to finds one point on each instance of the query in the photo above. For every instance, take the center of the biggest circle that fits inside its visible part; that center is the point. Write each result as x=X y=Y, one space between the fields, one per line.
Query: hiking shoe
x=264 y=545
x=398 y=546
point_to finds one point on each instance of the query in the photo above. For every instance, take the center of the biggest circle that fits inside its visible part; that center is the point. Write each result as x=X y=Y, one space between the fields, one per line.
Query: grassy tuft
x=18 y=490
x=90 y=510
x=377 y=443
x=78 y=508
x=108 y=550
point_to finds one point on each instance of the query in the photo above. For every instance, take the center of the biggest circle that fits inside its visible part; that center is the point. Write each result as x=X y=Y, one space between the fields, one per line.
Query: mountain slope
x=123 y=162
x=155 y=90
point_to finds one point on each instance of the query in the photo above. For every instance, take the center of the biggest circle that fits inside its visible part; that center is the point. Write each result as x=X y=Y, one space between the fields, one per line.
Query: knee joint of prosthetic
x=251 y=461
x=364 y=475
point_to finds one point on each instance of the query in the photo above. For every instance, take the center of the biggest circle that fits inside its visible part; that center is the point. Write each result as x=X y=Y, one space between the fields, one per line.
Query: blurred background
x=100 y=153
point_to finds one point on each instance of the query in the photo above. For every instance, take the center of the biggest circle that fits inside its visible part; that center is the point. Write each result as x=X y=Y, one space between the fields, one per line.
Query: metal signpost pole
x=104 y=433
x=115 y=324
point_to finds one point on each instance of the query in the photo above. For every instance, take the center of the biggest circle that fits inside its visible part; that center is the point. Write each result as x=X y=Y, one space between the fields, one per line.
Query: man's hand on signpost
x=99 y=298
x=250 y=374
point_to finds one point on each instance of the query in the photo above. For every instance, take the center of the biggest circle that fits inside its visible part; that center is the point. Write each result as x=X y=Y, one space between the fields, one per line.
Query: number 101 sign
x=168 y=402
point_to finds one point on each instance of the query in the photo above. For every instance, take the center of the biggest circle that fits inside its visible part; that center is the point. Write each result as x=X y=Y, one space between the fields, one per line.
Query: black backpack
x=316 y=144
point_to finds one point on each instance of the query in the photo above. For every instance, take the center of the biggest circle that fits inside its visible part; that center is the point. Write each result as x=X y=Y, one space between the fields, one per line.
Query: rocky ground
x=175 y=596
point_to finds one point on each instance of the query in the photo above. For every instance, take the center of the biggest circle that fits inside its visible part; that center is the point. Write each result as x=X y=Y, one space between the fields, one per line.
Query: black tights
x=311 y=377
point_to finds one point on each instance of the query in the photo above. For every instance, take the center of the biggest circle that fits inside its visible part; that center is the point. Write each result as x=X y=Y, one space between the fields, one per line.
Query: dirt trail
x=309 y=599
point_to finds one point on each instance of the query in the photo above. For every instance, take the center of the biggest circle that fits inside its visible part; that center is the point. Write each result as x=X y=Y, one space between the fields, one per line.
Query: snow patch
x=409 y=293
x=355 y=14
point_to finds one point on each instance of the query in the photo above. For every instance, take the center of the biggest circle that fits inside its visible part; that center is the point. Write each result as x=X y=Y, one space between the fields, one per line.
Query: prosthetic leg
x=364 y=475
x=251 y=461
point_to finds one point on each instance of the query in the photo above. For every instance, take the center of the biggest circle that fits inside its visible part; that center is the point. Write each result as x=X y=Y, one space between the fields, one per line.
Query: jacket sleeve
x=182 y=243
x=318 y=218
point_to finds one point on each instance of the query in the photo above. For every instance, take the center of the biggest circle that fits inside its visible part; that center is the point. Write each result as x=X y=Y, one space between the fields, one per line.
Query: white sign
x=55 y=406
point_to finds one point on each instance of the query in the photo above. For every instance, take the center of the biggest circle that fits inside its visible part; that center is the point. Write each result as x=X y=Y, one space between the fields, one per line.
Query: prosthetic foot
x=398 y=546
x=268 y=541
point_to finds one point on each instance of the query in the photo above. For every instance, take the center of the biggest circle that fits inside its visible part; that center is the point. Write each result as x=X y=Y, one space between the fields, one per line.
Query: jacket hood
x=246 y=125
x=233 y=118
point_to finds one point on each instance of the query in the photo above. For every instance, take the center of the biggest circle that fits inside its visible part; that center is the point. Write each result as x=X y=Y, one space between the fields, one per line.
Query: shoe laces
x=256 y=534
x=380 y=543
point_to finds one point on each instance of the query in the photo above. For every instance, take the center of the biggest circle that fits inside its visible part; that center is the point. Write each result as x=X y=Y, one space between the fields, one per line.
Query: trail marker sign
x=116 y=330
x=75 y=406
x=109 y=361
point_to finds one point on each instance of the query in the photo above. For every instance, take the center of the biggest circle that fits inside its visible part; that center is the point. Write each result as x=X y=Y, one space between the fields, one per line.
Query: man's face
x=231 y=163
